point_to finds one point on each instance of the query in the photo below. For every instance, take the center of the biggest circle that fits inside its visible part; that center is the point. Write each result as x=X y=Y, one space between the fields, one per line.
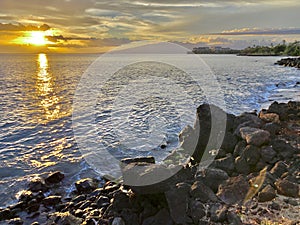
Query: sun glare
x=37 y=38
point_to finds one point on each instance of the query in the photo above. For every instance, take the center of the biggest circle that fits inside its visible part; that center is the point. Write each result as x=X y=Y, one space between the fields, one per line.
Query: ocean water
x=37 y=93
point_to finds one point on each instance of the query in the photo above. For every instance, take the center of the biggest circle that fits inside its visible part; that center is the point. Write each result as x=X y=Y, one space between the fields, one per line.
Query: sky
x=81 y=26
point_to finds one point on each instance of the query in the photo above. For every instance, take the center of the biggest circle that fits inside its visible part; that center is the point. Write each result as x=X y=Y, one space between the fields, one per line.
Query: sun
x=35 y=38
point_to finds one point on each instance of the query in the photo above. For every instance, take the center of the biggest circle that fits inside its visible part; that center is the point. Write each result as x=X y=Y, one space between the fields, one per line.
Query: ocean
x=132 y=114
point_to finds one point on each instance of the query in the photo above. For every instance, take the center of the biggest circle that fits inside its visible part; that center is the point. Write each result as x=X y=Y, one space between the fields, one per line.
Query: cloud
x=21 y=27
x=258 y=31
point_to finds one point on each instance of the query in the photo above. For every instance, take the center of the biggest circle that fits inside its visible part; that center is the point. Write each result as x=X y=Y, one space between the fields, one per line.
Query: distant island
x=282 y=49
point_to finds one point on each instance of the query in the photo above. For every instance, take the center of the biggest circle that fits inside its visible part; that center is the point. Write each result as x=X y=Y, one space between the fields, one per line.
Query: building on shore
x=214 y=50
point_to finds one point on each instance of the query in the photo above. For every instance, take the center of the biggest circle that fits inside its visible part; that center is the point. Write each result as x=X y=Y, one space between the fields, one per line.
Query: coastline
x=253 y=179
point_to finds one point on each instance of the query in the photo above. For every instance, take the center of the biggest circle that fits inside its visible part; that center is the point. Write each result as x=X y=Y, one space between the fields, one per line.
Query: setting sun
x=37 y=38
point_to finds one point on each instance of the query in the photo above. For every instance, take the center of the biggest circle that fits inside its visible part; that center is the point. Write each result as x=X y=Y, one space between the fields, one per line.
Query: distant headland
x=282 y=49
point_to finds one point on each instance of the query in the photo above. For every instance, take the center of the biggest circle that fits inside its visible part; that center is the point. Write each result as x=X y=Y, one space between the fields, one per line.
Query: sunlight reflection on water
x=49 y=101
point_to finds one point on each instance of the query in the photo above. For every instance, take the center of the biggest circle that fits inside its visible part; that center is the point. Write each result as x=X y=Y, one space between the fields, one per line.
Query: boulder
x=269 y=117
x=212 y=177
x=51 y=200
x=118 y=221
x=268 y=154
x=196 y=211
x=251 y=154
x=37 y=184
x=234 y=190
x=241 y=165
x=178 y=198
x=280 y=109
x=102 y=201
x=287 y=188
x=161 y=218
x=226 y=164
x=284 y=149
x=15 y=221
x=272 y=128
x=149 y=159
x=254 y=136
x=278 y=169
x=267 y=194
x=86 y=185
x=54 y=178
x=203 y=193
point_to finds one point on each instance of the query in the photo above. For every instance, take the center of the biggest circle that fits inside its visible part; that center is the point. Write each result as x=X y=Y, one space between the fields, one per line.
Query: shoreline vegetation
x=253 y=179
x=283 y=49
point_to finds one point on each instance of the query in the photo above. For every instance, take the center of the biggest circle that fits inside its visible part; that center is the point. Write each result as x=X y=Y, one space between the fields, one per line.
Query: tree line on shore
x=291 y=49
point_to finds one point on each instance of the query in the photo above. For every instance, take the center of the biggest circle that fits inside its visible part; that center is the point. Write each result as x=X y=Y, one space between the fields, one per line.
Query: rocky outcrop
x=291 y=62
x=250 y=173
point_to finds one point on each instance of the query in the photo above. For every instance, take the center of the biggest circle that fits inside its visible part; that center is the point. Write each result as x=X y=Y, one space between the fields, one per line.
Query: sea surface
x=36 y=107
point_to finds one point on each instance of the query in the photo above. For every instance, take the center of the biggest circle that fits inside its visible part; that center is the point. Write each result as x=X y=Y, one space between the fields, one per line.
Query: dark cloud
x=21 y=27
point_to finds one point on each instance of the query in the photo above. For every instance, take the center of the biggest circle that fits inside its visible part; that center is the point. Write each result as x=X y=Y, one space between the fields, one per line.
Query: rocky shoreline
x=253 y=179
x=290 y=62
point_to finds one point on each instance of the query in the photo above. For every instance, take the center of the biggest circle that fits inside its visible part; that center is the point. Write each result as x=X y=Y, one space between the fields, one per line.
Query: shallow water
x=36 y=91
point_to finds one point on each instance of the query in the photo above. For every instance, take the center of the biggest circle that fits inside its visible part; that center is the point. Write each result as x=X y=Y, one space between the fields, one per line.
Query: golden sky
x=99 y=25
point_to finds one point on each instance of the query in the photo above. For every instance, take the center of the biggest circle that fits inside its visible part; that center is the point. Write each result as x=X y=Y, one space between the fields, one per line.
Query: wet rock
x=287 y=188
x=161 y=218
x=86 y=185
x=55 y=178
x=15 y=221
x=37 y=184
x=51 y=200
x=196 y=211
x=251 y=154
x=79 y=198
x=120 y=201
x=149 y=159
x=254 y=136
x=267 y=194
x=234 y=190
x=212 y=177
x=102 y=201
x=226 y=164
x=279 y=169
x=285 y=150
x=58 y=218
x=241 y=165
x=203 y=193
x=6 y=214
x=35 y=223
x=33 y=206
x=118 y=221
x=177 y=199
x=268 y=154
